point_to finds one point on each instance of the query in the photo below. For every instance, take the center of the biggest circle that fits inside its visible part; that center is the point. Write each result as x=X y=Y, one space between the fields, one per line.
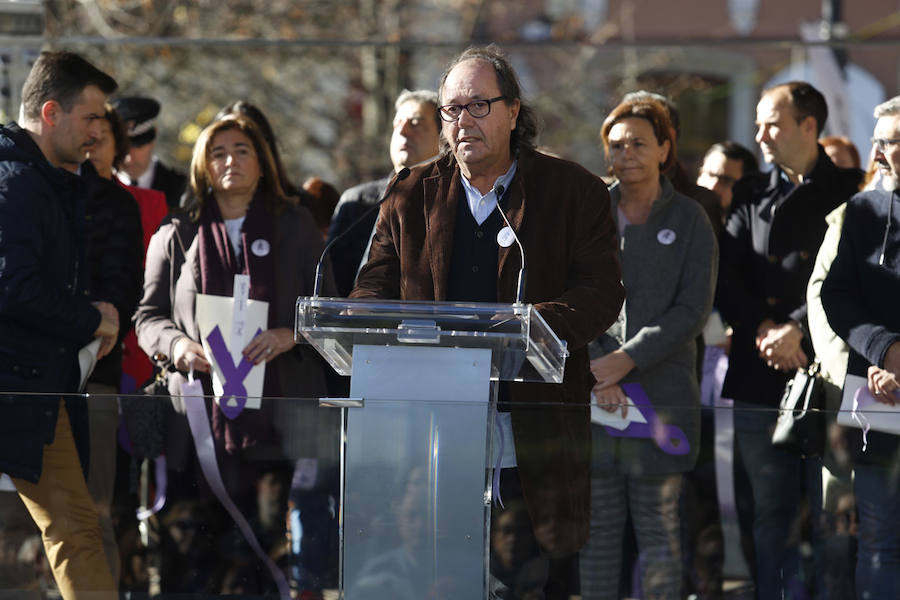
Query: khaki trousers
x=64 y=512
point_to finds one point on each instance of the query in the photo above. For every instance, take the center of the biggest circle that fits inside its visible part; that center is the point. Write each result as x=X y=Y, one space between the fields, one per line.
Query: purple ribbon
x=233 y=386
x=711 y=383
x=670 y=438
x=861 y=398
x=195 y=406
x=161 y=485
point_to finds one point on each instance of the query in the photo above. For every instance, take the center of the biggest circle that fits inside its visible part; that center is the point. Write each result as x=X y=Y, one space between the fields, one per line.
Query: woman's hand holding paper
x=269 y=344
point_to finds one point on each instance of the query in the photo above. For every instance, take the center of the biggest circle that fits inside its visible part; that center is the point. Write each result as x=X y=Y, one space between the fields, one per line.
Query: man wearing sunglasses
x=440 y=236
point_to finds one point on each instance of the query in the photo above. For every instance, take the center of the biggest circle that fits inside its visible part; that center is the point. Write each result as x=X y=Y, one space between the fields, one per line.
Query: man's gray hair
x=420 y=97
x=888 y=108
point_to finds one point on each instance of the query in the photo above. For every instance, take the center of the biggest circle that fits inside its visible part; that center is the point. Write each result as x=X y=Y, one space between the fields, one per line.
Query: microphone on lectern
x=523 y=273
x=401 y=175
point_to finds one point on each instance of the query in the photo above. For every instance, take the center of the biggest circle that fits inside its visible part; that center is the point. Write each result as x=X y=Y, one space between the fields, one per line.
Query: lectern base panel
x=415 y=517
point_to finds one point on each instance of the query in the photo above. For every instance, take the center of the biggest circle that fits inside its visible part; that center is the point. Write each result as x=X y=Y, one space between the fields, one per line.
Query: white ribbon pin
x=665 y=237
x=505 y=237
x=260 y=247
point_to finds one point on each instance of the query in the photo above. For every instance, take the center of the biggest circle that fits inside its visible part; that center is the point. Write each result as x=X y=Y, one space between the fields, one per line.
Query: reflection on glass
x=293 y=506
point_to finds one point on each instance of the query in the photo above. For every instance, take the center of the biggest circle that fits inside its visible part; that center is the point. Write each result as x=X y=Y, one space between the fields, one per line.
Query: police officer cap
x=139 y=115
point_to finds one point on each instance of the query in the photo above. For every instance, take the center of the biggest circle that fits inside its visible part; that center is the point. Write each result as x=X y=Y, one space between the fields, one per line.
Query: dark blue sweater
x=860 y=296
x=473 y=269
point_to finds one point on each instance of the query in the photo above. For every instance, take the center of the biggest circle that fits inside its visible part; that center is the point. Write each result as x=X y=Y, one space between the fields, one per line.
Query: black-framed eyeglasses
x=477 y=108
x=882 y=143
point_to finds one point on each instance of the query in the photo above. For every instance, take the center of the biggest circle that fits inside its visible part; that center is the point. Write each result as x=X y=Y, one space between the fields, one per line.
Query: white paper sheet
x=615 y=419
x=879 y=416
x=87 y=360
x=216 y=311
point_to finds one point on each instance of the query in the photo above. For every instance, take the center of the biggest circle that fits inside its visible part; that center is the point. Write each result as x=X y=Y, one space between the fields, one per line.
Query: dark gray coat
x=669 y=292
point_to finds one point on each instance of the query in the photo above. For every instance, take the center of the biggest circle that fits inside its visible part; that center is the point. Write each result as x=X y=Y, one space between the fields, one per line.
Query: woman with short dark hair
x=669 y=259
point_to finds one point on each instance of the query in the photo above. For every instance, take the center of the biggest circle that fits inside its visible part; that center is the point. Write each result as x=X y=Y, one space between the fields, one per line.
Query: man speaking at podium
x=441 y=237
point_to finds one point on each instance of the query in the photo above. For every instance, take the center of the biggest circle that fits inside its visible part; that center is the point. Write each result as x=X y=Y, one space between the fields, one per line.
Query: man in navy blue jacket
x=46 y=316
x=416 y=132
x=773 y=232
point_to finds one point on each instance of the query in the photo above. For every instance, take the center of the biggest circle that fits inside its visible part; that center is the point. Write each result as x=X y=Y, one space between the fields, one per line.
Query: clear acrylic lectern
x=415 y=507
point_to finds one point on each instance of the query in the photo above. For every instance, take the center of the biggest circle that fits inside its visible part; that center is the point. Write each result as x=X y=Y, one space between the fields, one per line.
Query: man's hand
x=611 y=399
x=610 y=369
x=726 y=345
x=763 y=330
x=188 y=353
x=779 y=346
x=883 y=384
x=108 y=330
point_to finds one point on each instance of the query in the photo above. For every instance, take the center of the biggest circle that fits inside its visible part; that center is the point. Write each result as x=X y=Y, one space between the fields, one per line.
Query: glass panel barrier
x=383 y=498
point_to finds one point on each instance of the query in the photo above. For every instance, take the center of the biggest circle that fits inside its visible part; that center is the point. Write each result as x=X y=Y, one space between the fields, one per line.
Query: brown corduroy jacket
x=561 y=214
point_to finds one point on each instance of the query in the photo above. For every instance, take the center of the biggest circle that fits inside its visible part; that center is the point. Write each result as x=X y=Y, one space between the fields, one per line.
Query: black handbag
x=800 y=427
x=145 y=416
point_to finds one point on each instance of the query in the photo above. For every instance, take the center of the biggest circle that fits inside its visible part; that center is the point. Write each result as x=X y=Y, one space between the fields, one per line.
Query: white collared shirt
x=146 y=178
x=482 y=206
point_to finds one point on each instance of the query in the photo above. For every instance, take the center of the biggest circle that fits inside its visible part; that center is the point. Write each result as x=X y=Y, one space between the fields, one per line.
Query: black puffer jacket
x=45 y=314
x=115 y=256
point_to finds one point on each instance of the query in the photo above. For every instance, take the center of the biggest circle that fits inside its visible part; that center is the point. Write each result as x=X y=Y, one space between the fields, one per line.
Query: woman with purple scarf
x=241 y=221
